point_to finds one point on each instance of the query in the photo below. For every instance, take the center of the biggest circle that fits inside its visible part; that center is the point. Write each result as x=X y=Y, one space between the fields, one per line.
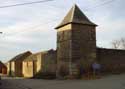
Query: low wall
x=49 y=61
x=112 y=60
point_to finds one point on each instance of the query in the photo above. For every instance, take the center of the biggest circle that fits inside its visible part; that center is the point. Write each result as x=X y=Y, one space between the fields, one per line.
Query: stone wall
x=112 y=60
x=12 y=69
x=15 y=64
x=18 y=68
x=8 y=68
x=83 y=44
x=49 y=62
x=30 y=65
x=64 y=36
x=28 y=68
x=38 y=63
x=3 y=68
x=76 y=46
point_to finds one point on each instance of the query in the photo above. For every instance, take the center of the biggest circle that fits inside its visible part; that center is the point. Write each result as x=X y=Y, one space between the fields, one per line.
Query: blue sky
x=31 y=27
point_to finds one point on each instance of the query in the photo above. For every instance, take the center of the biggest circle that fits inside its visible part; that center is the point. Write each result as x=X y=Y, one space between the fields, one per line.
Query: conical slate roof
x=75 y=15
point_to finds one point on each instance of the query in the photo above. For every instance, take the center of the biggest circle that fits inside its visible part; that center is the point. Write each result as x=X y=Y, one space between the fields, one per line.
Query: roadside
x=108 y=82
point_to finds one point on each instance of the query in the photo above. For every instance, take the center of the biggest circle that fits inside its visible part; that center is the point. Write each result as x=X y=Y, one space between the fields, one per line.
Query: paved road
x=108 y=82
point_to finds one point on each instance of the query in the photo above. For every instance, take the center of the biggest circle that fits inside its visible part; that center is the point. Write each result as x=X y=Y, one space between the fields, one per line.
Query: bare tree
x=116 y=44
x=119 y=44
x=122 y=42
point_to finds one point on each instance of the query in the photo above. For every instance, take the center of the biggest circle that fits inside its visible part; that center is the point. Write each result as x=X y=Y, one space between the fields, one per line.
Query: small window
x=92 y=35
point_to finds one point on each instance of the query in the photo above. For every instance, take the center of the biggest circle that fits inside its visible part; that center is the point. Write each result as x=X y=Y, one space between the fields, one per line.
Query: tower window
x=92 y=35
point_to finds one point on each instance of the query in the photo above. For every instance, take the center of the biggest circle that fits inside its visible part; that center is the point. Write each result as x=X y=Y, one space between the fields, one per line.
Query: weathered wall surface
x=8 y=68
x=49 y=62
x=112 y=60
x=28 y=67
x=76 y=45
x=18 y=68
x=64 y=36
x=12 y=69
x=3 y=68
x=83 y=44
x=15 y=64
x=40 y=63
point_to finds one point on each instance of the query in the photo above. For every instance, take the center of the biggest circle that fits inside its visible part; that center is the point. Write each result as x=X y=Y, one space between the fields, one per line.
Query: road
x=108 y=82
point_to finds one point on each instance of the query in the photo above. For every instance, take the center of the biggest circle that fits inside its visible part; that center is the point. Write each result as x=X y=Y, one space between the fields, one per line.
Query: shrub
x=45 y=75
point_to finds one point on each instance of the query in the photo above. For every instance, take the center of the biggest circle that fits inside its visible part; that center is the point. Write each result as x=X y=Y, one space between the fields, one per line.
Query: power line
x=22 y=4
x=102 y=4
x=34 y=28
x=38 y=25
x=107 y=2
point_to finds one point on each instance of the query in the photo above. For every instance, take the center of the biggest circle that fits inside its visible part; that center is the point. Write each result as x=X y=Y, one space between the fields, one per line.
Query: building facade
x=41 y=62
x=14 y=66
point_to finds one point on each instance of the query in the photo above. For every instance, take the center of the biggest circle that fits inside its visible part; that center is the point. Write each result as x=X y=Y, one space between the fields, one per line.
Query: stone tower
x=76 y=43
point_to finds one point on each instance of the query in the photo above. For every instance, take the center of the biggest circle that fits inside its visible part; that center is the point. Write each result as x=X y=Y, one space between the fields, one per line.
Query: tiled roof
x=21 y=56
x=34 y=56
x=75 y=15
